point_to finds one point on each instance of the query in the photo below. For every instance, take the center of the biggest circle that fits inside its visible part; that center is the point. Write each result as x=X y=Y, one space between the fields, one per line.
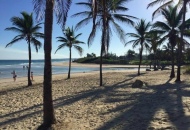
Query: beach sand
x=81 y=104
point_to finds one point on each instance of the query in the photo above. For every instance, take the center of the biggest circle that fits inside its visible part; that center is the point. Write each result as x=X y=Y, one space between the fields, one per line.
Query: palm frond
x=82 y=14
x=83 y=22
x=39 y=9
x=38 y=35
x=161 y=25
x=37 y=44
x=125 y=19
x=79 y=49
x=61 y=46
x=132 y=41
x=119 y=31
x=92 y=34
x=15 y=29
x=133 y=35
x=15 y=39
x=158 y=10
x=61 y=9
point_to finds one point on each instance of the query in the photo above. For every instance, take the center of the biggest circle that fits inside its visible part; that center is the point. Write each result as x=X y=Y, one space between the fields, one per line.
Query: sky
x=10 y=8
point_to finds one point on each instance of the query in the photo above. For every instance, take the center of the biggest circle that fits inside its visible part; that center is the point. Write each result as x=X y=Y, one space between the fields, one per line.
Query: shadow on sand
x=135 y=113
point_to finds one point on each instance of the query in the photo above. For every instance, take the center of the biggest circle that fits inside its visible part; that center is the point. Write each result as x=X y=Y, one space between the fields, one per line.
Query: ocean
x=37 y=67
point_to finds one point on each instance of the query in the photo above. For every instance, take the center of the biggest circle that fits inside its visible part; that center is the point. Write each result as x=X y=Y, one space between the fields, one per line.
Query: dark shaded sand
x=80 y=104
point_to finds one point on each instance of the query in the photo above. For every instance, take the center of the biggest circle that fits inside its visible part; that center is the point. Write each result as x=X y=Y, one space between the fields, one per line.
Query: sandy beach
x=81 y=104
x=74 y=64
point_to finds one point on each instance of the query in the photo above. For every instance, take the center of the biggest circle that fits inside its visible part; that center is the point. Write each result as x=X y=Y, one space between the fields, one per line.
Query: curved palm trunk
x=48 y=111
x=140 y=60
x=178 y=79
x=29 y=66
x=172 y=75
x=69 y=64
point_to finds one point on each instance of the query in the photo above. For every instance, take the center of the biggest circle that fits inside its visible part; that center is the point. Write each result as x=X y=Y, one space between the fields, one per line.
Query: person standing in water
x=14 y=75
x=31 y=75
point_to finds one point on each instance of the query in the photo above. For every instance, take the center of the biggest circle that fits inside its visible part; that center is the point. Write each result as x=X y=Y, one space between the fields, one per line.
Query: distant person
x=14 y=75
x=23 y=67
x=31 y=75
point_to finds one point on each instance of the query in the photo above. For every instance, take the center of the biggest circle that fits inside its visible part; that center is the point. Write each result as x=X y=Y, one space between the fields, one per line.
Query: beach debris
x=137 y=84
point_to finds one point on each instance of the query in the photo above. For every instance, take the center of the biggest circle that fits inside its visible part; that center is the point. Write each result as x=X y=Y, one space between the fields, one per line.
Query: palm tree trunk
x=103 y=40
x=140 y=60
x=29 y=67
x=172 y=75
x=48 y=111
x=101 y=53
x=155 y=62
x=69 y=64
x=178 y=79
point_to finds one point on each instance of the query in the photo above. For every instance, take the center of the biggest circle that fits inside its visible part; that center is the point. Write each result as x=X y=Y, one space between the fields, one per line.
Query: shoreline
x=65 y=64
x=38 y=79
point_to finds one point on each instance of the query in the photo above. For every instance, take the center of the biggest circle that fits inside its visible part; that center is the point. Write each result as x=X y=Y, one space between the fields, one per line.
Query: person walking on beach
x=14 y=75
x=31 y=75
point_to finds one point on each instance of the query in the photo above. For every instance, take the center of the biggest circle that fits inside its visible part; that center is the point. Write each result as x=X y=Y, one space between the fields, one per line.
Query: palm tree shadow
x=138 y=114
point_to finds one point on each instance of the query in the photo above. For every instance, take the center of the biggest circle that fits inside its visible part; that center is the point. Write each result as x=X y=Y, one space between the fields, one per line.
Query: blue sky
x=10 y=8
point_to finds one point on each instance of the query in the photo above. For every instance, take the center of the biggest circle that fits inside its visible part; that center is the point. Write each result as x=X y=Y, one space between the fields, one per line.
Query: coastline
x=8 y=83
x=22 y=81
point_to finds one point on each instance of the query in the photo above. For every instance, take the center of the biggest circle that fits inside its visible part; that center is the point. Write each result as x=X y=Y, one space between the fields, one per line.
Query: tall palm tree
x=70 y=40
x=27 y=31
x=184 y=4
x=46 y=7
x=170 y=29
x=103 y=14
x=140 y=37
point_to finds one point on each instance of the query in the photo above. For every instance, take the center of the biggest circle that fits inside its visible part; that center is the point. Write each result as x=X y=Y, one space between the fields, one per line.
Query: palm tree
x=140 y=38
x=184 y=4
x=70 y=40
x=103 y=14
x=26 y=31
x=170 y=29
x=154 y=39
x=46 y=7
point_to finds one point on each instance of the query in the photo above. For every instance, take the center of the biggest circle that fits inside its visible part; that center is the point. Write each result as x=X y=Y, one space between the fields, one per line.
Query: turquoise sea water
x=37 y=67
